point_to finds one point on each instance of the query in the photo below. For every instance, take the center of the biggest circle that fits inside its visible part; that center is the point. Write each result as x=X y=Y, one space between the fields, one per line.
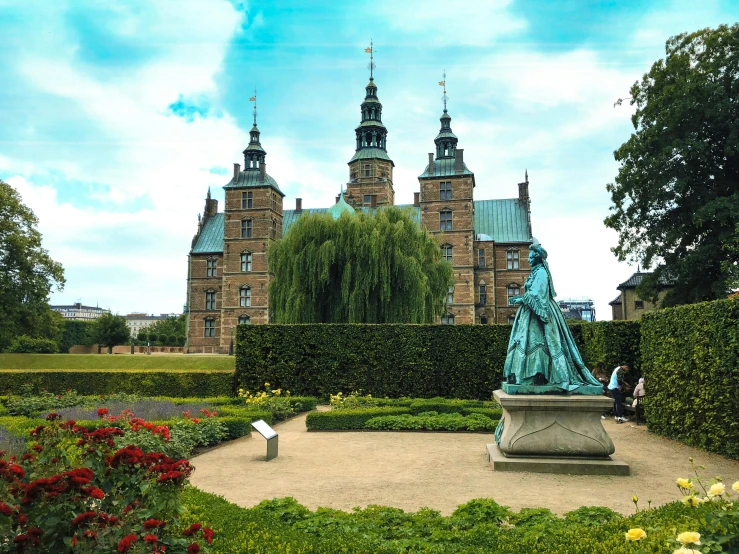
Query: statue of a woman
x=542 y=355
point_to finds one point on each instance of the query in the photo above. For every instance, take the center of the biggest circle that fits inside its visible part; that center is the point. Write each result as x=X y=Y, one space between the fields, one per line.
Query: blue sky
x=116 y=117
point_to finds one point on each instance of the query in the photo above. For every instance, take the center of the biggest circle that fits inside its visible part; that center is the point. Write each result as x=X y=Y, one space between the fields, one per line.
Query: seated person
x=639 y=391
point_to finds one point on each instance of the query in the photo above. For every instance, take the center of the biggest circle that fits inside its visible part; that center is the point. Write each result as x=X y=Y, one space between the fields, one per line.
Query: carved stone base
x=557 y=426
x=569 y=466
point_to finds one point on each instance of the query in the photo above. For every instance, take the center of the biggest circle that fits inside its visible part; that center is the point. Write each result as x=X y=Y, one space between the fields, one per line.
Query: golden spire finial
x=443 y=84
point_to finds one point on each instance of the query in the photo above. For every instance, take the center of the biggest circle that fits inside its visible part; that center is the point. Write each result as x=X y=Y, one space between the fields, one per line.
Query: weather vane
x=443 y=84
x=371 y=52
x=254 y=99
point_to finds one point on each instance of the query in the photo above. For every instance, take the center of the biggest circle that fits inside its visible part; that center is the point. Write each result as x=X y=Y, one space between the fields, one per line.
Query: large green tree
x=676 y=196
x=361 y=268
x=27 y=274
x=111 y=330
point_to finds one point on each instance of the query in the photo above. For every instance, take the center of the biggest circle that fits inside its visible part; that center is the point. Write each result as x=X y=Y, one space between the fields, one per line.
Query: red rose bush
x=82 y=491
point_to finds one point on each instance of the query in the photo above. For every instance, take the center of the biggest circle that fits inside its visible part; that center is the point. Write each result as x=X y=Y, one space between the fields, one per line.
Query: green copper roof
x=444 y=167
x=503 y=220
x=211 y=237
x=340 y=207
x=250 y=178
x=371 y=153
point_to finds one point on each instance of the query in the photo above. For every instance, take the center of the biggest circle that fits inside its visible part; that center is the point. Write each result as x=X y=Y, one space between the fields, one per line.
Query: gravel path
x=439 y=470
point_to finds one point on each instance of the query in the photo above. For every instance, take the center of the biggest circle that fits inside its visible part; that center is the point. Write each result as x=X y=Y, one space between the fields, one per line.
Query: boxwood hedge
x=342 y=420
x=691 y=364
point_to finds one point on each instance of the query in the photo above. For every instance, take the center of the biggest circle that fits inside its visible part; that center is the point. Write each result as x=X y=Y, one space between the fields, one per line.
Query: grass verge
x=81 y=362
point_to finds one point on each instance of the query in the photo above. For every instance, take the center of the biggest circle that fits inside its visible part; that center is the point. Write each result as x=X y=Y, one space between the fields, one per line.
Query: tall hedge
x=691 y=364
x=146 y=383
x=76 y=332
x=458 y=361
x=609 y=342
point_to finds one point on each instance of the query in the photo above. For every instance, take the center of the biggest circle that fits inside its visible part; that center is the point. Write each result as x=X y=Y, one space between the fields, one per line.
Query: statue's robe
x=541 y=342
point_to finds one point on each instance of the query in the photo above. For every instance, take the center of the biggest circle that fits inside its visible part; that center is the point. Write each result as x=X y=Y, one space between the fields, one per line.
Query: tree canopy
x=111 y=330
x=27 y=274
x=676 y=196
x=172 y=326
x=360 y=268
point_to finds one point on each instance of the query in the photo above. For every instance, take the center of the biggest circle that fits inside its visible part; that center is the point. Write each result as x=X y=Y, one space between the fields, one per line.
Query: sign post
x=268 y=433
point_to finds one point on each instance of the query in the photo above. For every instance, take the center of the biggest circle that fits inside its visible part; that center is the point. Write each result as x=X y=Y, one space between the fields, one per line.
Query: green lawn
x=83 y=362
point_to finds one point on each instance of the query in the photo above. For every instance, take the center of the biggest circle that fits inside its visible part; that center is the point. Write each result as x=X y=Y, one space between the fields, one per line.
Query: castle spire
x=446 y=141
x=254 y=154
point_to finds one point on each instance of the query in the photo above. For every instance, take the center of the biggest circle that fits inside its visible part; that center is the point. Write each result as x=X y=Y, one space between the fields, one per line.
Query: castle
x=486 y=241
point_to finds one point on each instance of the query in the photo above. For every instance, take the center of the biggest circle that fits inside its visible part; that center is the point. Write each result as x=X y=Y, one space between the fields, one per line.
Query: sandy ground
x=439 y=470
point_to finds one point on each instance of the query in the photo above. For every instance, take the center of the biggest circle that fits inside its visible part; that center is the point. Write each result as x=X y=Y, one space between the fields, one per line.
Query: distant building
x=137 y=322
x=628 y=305
x=79 y=312
x=578 y=308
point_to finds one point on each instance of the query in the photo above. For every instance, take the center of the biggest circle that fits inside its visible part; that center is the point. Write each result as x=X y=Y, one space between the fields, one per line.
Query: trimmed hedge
x=76 y=332
x=29 y=345
x=691 y=366
x=459 y=361
x=342 y=420
x=452 y=361
x=144 y=383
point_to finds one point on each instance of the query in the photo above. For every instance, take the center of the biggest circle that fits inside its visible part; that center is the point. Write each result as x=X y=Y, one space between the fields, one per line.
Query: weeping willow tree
x=360 y=268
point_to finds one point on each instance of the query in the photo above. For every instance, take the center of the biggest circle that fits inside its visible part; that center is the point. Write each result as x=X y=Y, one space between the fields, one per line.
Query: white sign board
x=263 y=429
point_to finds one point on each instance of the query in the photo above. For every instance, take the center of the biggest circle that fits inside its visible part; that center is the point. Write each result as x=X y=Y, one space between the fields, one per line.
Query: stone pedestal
x=554 y=433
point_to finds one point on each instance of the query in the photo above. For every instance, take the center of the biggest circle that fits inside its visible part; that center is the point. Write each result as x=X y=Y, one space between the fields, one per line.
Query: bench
x=637 y=410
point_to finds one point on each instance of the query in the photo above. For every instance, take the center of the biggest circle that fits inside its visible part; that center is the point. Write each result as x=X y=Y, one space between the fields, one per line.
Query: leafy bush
x=28 y=345
x=443 y=406
x=76 y=332
x=144 y=383
x=610 y=343
x=691 y=364
x=348 y=419
x=432 y=421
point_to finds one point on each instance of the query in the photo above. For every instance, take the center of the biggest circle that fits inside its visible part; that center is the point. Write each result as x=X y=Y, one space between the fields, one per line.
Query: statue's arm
x=537 y=297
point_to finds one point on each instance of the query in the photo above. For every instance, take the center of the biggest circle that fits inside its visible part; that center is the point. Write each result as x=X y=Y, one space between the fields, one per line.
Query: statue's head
x=537 y=254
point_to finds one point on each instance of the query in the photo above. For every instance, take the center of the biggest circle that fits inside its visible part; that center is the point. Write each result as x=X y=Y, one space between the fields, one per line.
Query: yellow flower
x=717 y=489
x=635 y=499
x=689 y=537
x=684 y=483
x=635 y=534
x=735 y=486
x=690 y=500
x=683 y=550
x=266 y=384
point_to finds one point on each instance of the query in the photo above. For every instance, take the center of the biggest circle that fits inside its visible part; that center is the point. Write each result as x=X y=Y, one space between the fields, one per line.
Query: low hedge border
x=348 y=419
x=145 y=383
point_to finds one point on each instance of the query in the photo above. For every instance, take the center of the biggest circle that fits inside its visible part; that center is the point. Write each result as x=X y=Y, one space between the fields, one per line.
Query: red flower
x=95 y=492
x=84 y=517
x=102 y=411
x=26 y=457
x=208 y=535
x=22 y=519
x=38 y=447
x=20 y=539
x=153 y=524
x=170 y=476
x=126 y=542
x=6 y=510
x=195 y=420
x=17 y=470
x=194 y=528
x=194 y=548
x=90 y=533
x=151 y=538
x=53 y=416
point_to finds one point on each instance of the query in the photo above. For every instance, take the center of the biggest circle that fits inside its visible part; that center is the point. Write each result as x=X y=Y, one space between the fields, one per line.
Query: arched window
x=247 y=226
x=244 y=320
x=447 y=319
x=513 y=290
x=446 y=252
x=445 y=220
x=210 y=327
x=245 y=261
x=244 y=297
x=210 y=300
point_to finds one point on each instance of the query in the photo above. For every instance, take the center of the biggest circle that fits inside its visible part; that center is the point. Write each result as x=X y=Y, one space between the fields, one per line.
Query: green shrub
x=611 y=343
x=348 y=419
x=238 y=427
x=443 y=406
x=691 y=364
x=492 y=413
x=432 y=421
x=144 y=383
x=27 y=345
x=76 y=332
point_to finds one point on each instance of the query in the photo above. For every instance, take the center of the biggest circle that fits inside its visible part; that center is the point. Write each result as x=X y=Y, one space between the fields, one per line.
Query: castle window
x=445 y=220
x=483 y=294
x=368 y=199
x=638 y=304
x=511 y=319
x=512 y=259
x=446 y=253
x=481 y=257
x=210 y=300
x=483 y=320
x=366 y=170
x=247 y=201
x=447 y=319
x=246 y=261
x=244 y=320
x=274 y=228
x=445 y=191
x=274 y=202
x=513 y=290
x=210 y=327
x=450 y=295
x=246 y=228
x=211 y=267
x=244 y=297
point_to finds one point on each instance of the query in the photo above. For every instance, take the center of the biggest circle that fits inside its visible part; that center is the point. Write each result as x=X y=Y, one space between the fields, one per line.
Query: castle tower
x=447 y=211
x=370 y=169
x=253 y=219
